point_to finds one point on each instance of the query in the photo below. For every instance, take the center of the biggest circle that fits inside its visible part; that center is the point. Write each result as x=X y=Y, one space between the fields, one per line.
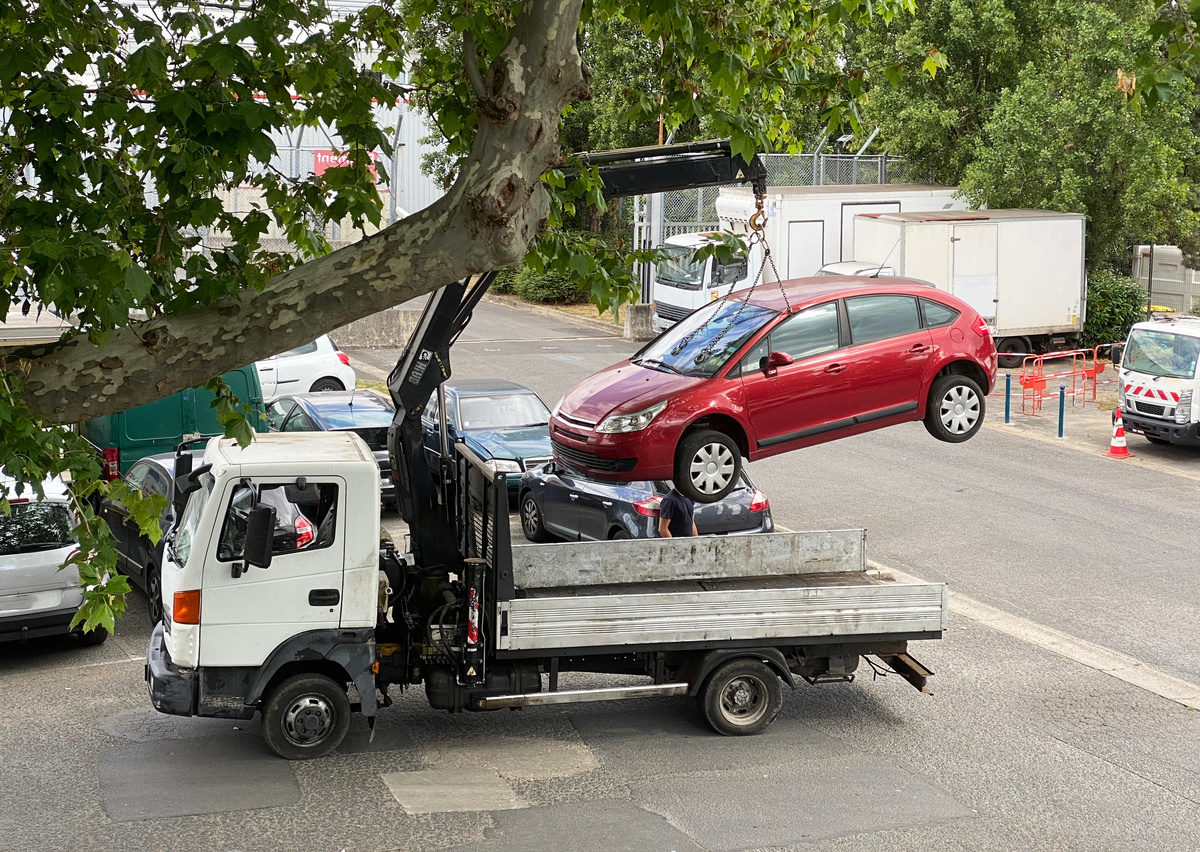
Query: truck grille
x=1150 y=408
x=591 y=461
x=671 y=312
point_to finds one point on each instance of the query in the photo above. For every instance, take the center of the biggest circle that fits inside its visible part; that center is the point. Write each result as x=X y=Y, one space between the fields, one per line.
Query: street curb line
x=1097 y=657
x=543 y=310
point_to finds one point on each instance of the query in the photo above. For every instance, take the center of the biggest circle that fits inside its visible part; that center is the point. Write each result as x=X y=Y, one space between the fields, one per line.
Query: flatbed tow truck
x=308 y=622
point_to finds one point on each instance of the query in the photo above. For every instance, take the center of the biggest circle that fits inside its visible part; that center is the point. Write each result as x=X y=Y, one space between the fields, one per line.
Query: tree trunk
x=486 y=221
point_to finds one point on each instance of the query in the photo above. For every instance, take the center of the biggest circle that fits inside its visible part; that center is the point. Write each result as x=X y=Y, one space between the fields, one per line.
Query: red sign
x=323 y=160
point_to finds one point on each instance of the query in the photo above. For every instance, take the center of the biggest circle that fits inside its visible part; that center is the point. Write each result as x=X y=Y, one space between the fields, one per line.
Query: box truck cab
x=1159 y=380
x=685 y=282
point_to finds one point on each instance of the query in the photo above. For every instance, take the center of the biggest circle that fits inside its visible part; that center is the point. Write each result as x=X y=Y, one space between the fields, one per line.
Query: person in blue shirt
x=676 y=516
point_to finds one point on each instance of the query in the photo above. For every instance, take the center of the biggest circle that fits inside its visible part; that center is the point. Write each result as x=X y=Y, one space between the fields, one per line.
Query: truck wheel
x=92 y=637
x=955 y=409
x=707 y=465
x=531 y=519
x=1011 y=351
x=306 y=716
x=742 y=697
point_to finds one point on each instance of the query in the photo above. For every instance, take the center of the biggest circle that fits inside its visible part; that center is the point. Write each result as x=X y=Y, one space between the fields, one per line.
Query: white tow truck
x=309 y=623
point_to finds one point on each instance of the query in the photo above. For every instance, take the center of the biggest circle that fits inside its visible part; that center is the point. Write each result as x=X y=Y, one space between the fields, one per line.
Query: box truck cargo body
x=1022 y=270
x=806 y=227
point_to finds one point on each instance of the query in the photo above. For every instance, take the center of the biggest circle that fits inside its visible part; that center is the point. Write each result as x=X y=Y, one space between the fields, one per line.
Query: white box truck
x=1159 y=379
x=806 y=228
x=1021 y=269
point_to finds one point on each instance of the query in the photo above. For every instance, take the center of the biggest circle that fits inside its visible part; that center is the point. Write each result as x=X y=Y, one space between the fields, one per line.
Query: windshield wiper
x=658 y=362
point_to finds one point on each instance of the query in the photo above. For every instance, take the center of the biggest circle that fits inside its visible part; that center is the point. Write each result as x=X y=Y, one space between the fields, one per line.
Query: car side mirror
x=776 y=360
x=260 y=530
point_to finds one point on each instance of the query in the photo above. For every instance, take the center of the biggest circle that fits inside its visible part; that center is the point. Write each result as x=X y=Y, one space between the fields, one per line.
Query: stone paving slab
x=439 y=791
x=186 y=777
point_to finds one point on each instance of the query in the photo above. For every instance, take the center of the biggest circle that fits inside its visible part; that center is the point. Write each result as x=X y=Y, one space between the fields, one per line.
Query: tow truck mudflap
x=172 y=690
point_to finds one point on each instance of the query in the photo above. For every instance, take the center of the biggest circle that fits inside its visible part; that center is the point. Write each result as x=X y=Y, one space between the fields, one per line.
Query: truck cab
x=683 y=282
x=1158 y=379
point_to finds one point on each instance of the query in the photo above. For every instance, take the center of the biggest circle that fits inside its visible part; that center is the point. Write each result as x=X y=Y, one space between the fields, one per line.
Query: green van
x=157 y=427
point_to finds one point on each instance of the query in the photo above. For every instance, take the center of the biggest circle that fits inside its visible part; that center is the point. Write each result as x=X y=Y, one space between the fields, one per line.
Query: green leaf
x=138 y=282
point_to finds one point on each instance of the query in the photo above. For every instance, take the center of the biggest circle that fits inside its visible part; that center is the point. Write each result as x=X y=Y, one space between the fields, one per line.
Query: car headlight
x=504 y=466
x=631 y=422
x=1121 y=395
x=1183 y=411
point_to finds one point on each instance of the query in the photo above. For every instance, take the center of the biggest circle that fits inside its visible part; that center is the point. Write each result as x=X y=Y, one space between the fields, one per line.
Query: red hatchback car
x=776 y=370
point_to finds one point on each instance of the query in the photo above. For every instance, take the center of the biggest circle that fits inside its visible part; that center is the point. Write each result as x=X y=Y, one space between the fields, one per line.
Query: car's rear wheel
x=619 y=535
x=955 y=409
x=326 y=384
x=95 y=636
x=531 y=518
x=707 y=465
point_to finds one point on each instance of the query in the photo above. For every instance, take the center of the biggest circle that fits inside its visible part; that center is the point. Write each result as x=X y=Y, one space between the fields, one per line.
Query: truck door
x=973 y=267
x=805 y=248
x=246 y=612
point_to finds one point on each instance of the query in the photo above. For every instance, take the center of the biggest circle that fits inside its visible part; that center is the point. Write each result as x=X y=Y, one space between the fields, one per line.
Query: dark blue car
x=556 y=502
x=365 y=413
x=502 y=422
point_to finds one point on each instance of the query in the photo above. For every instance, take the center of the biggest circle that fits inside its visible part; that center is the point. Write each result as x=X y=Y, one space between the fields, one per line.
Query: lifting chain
x=757 y=226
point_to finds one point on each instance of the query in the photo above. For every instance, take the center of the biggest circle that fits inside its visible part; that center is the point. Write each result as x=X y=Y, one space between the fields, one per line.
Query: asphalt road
x=1018 y=748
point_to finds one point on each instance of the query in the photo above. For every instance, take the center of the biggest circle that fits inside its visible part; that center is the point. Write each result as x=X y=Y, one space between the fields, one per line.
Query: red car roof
x=802 y=292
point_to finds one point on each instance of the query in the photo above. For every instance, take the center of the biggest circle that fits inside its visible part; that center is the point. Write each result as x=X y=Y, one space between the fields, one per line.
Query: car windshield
x=703 y=341
x=681 y=266
x=191 y=519
x=502 y=411
x=1162 y=353
x=35 y=526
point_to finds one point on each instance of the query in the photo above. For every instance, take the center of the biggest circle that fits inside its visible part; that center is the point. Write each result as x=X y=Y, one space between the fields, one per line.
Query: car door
x=560 y=504
x=889 y=355
x=594 y=508
x=268 y=377
x=247 y=611
x=804 y=399
x=297 y=369
x=117 y=516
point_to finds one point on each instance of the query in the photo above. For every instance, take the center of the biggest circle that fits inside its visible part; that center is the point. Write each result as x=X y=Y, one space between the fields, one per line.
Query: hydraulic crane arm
x=425 y=362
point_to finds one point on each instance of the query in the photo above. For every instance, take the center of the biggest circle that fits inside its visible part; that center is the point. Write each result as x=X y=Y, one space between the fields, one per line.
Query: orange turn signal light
x=187 y=607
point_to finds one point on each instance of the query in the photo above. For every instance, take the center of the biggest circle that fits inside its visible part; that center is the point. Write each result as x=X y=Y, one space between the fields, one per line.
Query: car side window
x=136 y=474
x=431 y=410
x=754 y=359
x=155 y=482
x=299 y=422
x=880 y=317
x=306 y=349
x=936 y=314
x=813 y=331
x=277 y=412
x=304 y=518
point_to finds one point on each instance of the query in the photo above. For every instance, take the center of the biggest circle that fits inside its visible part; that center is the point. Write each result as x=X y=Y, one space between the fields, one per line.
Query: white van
x=684 y=283
x=1159 y=378
x=36 y=598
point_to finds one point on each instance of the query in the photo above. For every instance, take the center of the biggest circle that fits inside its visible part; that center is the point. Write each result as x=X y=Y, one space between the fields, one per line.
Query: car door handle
x=324 y=597
x=266 y=369
x=835 y=368
x=574 y=496
x=606 y=503
x=919 y=348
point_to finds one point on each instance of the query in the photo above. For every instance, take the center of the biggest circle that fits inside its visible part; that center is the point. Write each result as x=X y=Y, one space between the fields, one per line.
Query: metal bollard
x=1062 y=407
x=1007 y=396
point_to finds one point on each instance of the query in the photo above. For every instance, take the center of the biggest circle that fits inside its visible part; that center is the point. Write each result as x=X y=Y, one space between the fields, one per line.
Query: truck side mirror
x=186 y=483
x=260 y=530
x=776 y=360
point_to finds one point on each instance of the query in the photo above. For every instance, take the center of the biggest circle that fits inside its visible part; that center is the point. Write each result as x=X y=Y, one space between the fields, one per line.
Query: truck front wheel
x=741 y=697
x=306 y=716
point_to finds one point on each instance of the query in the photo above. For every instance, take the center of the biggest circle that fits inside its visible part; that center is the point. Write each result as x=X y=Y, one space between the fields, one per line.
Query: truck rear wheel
x=742 y=697
x=306 y=716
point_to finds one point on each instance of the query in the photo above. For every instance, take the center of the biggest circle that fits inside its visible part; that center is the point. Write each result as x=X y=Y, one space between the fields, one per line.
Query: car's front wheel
x=955 y=409
x=531 y=519
x=707 y=465
x=154 y=594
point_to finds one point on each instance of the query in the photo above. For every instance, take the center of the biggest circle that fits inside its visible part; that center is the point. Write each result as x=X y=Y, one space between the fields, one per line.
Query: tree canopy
x=121 y=123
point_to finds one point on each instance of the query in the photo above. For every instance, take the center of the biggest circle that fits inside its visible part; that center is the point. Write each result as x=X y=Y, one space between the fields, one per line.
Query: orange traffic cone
x=1117 y=449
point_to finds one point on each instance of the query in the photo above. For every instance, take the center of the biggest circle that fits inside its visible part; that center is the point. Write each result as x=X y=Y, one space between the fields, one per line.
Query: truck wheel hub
x=308 y=720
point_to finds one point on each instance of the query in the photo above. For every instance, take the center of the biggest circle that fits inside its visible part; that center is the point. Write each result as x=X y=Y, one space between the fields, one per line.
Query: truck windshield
x=191 y=519
x=696 y=336
x=681 y=266
x=1162 y=353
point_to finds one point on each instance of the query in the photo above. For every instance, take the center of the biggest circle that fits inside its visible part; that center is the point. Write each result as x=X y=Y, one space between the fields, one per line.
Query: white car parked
x=36 y=598
x=313 y=367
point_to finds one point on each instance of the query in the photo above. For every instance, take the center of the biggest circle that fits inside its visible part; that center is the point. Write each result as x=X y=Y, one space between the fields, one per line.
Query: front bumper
x=36 y=625
x=1165 y=430
x=172 y=689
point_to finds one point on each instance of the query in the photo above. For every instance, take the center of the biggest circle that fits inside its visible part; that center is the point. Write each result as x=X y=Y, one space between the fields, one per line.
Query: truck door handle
x=835 y=368
x=920 y=347
x=324 y=597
